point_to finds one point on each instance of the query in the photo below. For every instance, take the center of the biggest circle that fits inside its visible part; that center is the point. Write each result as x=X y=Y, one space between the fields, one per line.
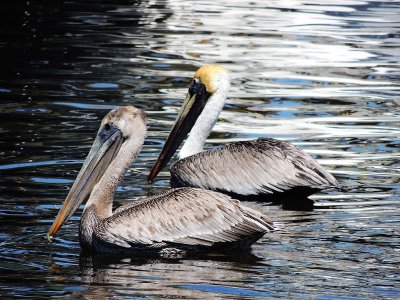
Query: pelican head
x=213 y=77
x=203 y=103
x=117 y=131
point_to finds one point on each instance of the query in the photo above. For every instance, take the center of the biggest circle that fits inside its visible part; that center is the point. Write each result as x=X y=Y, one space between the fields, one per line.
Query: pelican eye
x=195 y=87
x=107 y=126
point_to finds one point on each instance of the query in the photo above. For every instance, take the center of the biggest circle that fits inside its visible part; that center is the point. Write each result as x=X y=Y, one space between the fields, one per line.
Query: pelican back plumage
x=263 y=167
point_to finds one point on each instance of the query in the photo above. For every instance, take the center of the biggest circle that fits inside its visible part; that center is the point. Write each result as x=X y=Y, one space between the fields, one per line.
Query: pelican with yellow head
x=263 y=168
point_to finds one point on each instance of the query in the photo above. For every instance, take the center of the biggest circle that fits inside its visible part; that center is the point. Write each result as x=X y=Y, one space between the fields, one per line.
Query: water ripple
x=321 y=74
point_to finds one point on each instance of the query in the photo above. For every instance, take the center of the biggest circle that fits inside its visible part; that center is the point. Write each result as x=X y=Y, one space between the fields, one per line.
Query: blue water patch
x=51 y=180
x=39 y=163
x=159 y=65
x=16 y=213
x=224 y=290
x=103 y=85
x=374 y=104
x=86 y=105
x=77 y=288
x=31 y=110
x=3 y=90
x=285 y=114
x=292 y=81
x=387 y=291
x=284 y=103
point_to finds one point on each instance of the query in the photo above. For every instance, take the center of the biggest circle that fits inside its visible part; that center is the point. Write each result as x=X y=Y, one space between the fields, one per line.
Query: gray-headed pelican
x=260 y=169
x=180 y=219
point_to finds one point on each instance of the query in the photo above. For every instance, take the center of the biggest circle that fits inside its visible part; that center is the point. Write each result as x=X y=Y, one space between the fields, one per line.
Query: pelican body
x=265 y=168
x=182 y=219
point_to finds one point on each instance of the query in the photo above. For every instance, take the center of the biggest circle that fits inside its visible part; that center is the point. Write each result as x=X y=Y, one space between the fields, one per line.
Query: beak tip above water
x=50 y=237
x=150 y=178
x=154 y=172
x=52 y=231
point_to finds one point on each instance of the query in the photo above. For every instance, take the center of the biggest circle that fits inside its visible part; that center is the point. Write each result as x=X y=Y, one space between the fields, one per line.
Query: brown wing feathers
x=187 y=216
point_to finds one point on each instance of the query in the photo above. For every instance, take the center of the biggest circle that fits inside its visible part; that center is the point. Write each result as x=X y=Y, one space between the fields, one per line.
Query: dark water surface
x=322 y=74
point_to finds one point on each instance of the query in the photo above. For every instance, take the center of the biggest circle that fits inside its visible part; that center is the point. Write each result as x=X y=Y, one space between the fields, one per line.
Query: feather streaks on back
x=182 y=216
x=262 y=166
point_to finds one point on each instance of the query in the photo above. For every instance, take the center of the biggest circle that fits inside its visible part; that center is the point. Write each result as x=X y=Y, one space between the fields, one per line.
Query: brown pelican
x=258 y=169
x=180 y=219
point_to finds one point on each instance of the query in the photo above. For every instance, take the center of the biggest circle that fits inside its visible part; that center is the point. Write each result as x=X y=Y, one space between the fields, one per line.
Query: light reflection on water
x=323 y=75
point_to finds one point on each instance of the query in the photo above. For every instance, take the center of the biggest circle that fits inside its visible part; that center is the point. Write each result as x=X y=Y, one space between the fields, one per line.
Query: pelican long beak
x=106 y=145
x=195 y=101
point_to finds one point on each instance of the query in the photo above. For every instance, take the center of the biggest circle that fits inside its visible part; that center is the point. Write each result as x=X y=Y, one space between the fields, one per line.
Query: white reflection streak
x=315 y=127
x=302 y=22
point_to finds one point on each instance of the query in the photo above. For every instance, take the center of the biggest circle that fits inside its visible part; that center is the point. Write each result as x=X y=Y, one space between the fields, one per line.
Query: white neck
x=204 y=124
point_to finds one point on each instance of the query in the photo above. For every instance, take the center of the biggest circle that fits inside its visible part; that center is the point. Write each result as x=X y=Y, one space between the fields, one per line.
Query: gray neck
x=204 y=124
x=99 y=204
x=88 y=221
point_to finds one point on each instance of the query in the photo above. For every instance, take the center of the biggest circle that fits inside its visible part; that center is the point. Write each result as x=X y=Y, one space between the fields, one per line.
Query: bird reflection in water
x=163 y=276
